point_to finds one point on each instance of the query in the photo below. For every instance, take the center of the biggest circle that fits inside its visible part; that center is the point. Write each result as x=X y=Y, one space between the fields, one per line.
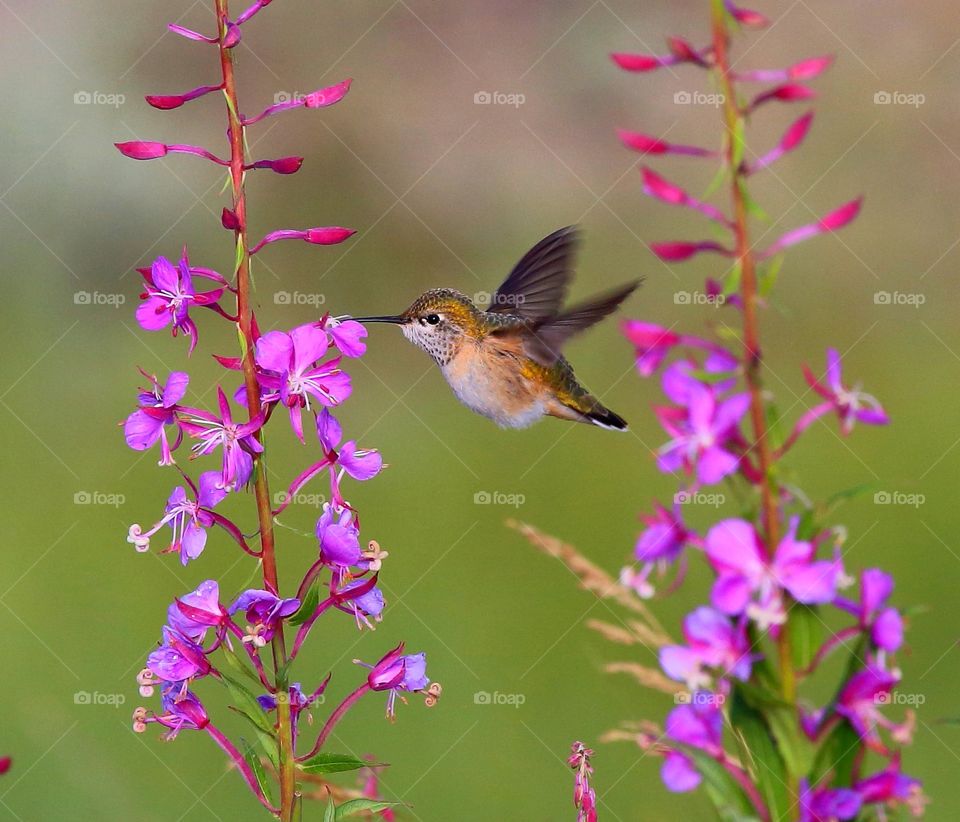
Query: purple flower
x=398 y=672
x=348 y=336
x=823 y=804
x=659 y=546
x=652 y=342
x=290 y=373
x=892 y=786
x=851 y=404
x=178 y=659
x=339 y=539
x=698 y=724
x=883 y=623
x=683 y=379
x=714 y=642
x=236 y=440
x=836 y=219
x=193 y=614
x=860 y=701
x=748 y=583
x=264 y=611
x=366 y=606
x=701 y=435
x=180 y=709
x=359 y=463
x=158 y=407
x=168 y=297
x=187 y=517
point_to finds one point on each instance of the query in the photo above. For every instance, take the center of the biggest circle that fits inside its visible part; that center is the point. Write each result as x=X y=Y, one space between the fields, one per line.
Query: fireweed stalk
x=298 y=376
x=740 y=728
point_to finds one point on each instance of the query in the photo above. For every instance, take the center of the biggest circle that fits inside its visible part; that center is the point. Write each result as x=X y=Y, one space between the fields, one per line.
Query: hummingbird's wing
x=545 y=341
x=537 y=286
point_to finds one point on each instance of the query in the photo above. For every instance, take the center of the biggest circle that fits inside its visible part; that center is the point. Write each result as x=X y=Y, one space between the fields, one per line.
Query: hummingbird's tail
x=606 y=418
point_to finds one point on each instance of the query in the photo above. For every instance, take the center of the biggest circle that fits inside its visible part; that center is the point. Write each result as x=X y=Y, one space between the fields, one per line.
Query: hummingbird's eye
x=433 y=319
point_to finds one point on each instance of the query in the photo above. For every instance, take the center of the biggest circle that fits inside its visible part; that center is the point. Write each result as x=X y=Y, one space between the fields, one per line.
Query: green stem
x=287 y=773
x=770 y=513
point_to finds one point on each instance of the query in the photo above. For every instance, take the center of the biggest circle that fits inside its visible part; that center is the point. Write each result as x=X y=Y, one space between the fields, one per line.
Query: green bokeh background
x=447 y=192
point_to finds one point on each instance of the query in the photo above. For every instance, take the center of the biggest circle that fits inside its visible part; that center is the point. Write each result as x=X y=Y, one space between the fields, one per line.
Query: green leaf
x=769 y=274
x=330 y=815
x=836 y=755
x=774 y=421
x=355 y=806
x=805 y=628
x=753 y=208
x=728 y=797
x=331 y=763
x=247 y=703
x=738 y=145
x=253 y=760
x=797 y=751
x=309 y=604
x=761 y=755
x=731 y=283
x=236 y=665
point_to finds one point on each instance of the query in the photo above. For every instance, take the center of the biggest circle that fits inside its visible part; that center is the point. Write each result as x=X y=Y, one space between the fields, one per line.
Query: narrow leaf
x=331 y=763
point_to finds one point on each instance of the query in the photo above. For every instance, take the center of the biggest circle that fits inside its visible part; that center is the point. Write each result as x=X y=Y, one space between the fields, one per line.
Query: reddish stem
x=287 y=774
x=334 y=718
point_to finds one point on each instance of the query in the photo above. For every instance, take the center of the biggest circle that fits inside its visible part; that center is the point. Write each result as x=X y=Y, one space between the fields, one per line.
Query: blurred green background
x=447 y=192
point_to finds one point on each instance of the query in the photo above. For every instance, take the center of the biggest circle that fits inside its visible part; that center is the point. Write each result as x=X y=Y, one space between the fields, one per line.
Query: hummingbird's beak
x=396 y=319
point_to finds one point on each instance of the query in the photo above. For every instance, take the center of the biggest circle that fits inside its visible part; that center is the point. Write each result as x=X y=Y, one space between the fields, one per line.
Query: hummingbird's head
x=437 y=322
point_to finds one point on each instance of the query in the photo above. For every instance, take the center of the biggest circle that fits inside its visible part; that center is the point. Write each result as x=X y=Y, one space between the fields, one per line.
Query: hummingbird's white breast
x=489 y=381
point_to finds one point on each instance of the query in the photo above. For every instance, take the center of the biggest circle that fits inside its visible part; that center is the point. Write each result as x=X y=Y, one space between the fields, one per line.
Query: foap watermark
x=497 y=698
x=98 y=298
x=288 y=97
x=493 y=301
x=314 y=500
x=913 y=700
x=98 y=498
x=915 y=300
x=698 y=698
x=499 y=98
x=97 y=698
x=913 y=99
x=698 y=98
x=715 y=500
x=899 y=498
x=698 y=298
x=298 y=298
x=498 y=498
x=99 y=98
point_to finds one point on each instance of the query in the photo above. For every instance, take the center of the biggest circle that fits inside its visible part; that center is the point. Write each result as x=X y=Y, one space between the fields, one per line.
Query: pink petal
x=153 y=314
x=142 y=149
x=274 y=351
x=309 y=345
x=328 y=96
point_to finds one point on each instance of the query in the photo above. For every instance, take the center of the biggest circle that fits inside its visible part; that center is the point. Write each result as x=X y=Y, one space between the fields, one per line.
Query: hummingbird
x=503 y=360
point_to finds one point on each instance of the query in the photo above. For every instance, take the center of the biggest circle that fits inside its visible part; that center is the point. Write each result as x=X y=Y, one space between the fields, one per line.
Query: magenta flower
x=748 y=583
x=677 y=252
x=165 y=102
x=318 y=99
x=645 y=144
x=158 y=409
x=860 y=703
x=194 y=614
x=833 y=221
x=178 y=659
x=656 y=186
x=658 y=547
x=702 y=433
x=180 y=710
x=347 y=335
x=698 y=724
x=264 y=612
x=151 y=150
x=584 y=796
x=791 y=140
x=882 y=623
x=323 y=235
x=682 y=380
x=851 y=404
x=187 y=517
x=652 y=342
x=397 y=672
x=823 y=804
x=168 y=298
x=716 y=646
x=290 y=373
x=891 y=787
x=236 y=440
x=339 y=539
